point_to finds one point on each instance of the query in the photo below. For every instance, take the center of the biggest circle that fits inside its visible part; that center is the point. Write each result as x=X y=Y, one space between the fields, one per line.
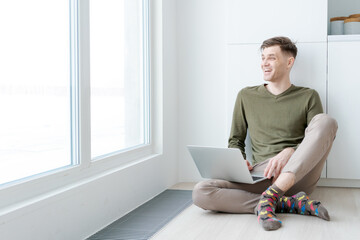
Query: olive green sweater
x=274 y=122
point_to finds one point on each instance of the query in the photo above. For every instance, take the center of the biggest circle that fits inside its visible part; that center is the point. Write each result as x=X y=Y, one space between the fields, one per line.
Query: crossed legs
x=301 y=173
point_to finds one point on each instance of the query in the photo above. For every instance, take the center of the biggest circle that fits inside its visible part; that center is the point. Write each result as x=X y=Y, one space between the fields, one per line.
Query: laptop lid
x=222 y=163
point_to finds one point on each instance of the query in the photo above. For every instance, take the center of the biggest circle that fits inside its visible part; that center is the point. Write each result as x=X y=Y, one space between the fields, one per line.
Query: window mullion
x=84 y=84
x=74 y=81
x=146 y=77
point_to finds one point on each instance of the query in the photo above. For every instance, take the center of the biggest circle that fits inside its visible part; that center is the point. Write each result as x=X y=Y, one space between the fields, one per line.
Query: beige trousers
x=306 y=163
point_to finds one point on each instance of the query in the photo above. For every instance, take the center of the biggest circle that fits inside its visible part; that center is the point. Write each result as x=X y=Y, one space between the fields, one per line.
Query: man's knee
x=325 y=124
x=203 y=192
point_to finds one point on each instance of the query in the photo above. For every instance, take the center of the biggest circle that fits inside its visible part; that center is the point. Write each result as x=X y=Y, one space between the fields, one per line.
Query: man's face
x=274 y=64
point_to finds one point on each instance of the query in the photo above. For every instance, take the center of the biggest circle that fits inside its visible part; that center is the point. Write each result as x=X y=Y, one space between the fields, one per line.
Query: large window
x=119 y=76
x=35 y=89
x=46 y=105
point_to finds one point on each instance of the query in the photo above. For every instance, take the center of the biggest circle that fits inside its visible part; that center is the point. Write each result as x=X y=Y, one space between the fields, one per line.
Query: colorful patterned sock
x=300 y=204
x=265 y=210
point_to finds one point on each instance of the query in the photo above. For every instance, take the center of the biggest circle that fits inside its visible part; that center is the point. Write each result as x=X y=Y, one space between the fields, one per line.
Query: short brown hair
x=285 y=44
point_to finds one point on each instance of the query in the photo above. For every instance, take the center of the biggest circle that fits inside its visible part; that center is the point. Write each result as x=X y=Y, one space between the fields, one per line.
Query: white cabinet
x=343 y=105
x=255 y=21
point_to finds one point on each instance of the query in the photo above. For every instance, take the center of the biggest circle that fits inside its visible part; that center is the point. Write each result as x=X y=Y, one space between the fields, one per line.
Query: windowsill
x=64 y=180
x=344 y=38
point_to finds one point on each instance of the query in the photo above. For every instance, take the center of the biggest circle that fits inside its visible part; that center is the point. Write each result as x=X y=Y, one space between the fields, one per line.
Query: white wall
x=255 y=21
x=79 y=210
x=201 y=44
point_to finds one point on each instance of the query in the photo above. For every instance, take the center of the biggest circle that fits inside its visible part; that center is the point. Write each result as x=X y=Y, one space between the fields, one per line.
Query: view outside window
x=35 y=103
x=119 y=78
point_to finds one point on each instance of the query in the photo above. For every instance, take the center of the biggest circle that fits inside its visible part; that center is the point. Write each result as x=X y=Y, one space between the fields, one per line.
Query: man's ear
x=290 y=62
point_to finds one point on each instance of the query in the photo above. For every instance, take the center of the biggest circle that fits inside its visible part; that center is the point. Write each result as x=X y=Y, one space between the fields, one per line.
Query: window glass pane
x=34 y=87
x=118 y=86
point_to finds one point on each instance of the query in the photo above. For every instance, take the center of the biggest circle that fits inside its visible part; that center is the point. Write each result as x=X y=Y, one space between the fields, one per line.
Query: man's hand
x=277 y=163
x=249 y=165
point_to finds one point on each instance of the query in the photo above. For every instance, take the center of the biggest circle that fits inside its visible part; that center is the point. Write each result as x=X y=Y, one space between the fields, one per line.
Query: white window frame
x=24 y=192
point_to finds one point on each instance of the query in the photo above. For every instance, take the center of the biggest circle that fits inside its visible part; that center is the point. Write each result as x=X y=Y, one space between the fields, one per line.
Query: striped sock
x=301 y=204
x=265 y=210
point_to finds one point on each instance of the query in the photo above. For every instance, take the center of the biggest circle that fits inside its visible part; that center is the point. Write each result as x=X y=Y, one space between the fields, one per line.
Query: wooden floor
x=343 y=205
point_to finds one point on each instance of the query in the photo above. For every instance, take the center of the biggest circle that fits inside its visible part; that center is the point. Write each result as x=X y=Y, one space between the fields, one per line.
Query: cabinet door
x=244 y=70
x=255 y=21
x=344 y=99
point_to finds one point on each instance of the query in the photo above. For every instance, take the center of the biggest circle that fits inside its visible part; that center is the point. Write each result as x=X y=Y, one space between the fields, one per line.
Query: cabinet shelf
x=344 y=38
x=343 y=8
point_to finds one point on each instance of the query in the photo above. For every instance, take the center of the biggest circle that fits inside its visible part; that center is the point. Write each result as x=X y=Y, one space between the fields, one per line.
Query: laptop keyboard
x=256 y=178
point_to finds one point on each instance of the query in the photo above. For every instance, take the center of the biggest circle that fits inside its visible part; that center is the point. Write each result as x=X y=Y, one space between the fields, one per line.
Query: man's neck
x=277 y=88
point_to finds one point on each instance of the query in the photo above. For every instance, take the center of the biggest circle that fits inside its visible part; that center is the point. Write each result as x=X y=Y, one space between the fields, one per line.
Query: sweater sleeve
x=238 y=127
x=314 y=106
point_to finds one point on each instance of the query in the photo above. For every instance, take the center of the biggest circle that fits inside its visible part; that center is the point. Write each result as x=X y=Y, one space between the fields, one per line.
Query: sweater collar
x=263 y=89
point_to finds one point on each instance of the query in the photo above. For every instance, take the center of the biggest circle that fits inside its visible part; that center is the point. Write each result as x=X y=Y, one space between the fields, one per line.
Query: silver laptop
x=223 y=163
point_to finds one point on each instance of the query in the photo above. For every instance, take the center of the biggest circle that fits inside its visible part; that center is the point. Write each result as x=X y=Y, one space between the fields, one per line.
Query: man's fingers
x=267 y=168
x=277 y=172
x=270 y=173
x=249 y=165
x=271 y=170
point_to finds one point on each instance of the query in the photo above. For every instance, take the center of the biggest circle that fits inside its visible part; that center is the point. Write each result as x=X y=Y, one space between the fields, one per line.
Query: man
x=291 y=139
